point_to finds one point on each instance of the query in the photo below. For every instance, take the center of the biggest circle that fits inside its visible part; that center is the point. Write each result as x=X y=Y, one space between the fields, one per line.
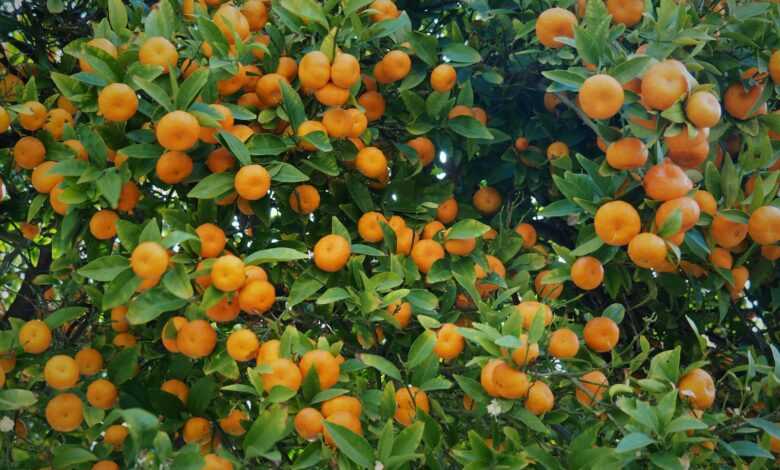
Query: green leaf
x=155 y=92
x=749 y=449
x=570 y=80
x=530 y=420
x=202 y=392
x=424 y=46
x=381 y=364
x=268 y=145
x=275 y=255
x=615 y=312
x=467 y=228
x=64 y=315
x=266 y=431
x=178 y=282
x=771 y=428
x=332 y=295
x=16 y=399
x=684 y=423
x=671 y=225
x=282 y=172
x=634 y=441
x=110 y=186
x=631 y=68
x=666 y=365
x=122 y=366
x=355 y=447
x=421 y=349
x=66 y=456
x=151 y=304
x=119 y=291
x=105 y=268
x=235 y=146
x=307 y=10
x=303 y=288
x=408 y=440
x=461 y=54
x=293 y=106
x=117 y=15
x=469 y=127
x=588 y=247
x=191 y=88
x=213 y=186
x=143 y=151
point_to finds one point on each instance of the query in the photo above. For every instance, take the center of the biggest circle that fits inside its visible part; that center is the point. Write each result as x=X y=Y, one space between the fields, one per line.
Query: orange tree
x=365 y=235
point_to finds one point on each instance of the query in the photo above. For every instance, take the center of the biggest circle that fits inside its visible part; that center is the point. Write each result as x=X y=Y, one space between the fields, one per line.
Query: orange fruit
x=149 y=260
x=212 y=240
x=115 y=436
x=459 y=110
x=257 y=297
x=173 y=167
x=557 y=150
x=401 y=311
x=229 y=20
x=59 y=206
x=425 y=253
x=397 y=65
x=29 y=152
x=527 y=353
x=225 y=310
x=43 y=179
x=726 y=232
x=447 y=211
x=102 y=394
x=314 y=70
x=124 y=340
x=287 y=68
x=227 y=273
x=721 y=258
x=601 y=334
x=509 y=382
x=431 y=229
x=487 y=200
x=100 y=43
x=740 y=275
x=65 y=412
x=304 y=199
x=89 y=361
x=563 y=344
x=196 y=429
x=105 y=465
x=128 y=197
x=461 y=247
x=343 y=419
x=528 y=233
x=242 y=345
x=738 y=101
x=647 y=250
x=61 y=372
x=601 y=96
x=345 y=70
x=32 y=115
x=269 y=351
x=256 y=14
x=547 y=291
x=449 y=342
x=626 y=12
x=688 y=208
x=587 y=273
x=487 y=377
x=331 y=95
x=591 y=388
x=209 y=134
x=102 y=225
x=703 y=109
x=359 y=123
x=268 y=89
x=627 y=153
x=158 y=51
x=117 y=102
x=687 y=151
x=374 y=104
x=528 y=309
x=196 y=339
x=177 y=388
x=540 y=398
x=426 y=152
x=697 y=388
x=35 y=337
x=220 y=160
x=369 y=227
x=170 y=331
x=663 y=84
x=56 y=120
x=331 y=253
x=325 y=365
x=666 y=181
x=119 y=322
x=337 y=122
x=371 y=163
x=252 y=182
x=407 y=401
x=764 y=225
x=308 y=423
x=552 y=23
x=177 y=130
x=342 y=403
x=384 y=10
x=443 y=78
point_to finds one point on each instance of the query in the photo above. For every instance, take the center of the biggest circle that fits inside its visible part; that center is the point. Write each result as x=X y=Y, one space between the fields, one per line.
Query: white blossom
x=6 y=424
x=494 y=408
x=378 y=466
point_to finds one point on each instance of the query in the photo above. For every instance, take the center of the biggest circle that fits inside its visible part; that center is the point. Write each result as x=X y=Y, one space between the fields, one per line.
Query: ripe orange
x=173 y=167
x=268 y=89
x=385 y=10
x=119 y=322
x=550 y=291
x=459 y=110
x=61 y=372
x=252 y=182
x=528 y=233
x=447 y=211
x=343 y=419
x=105 y=465
x=703 y=109
x=397 y=65
x=587 y=273
x=256 y=14
x=232 y=424
x=528 y=309
x=32 y=116
x=196 y=339
x=269 y=351
x=314 y=70
x=128 y=197
x=407 y=401
x=626 y=12
x=727 y=233
x=698 y=388
x=100 y=43
x=89 y=361
x=55 y=199
x=431 y=229
x=369 y=227
x=627 y=153
x=564 y=344
x=740 y=275
x=557 y=150
x=601 y=97
x=591 y=388
x=257 y=297
x=461 y=247
x=449 y=342
x=689 y=211
x=196 y=429
x=225 y=310
x=325 y=365
x=666 y=181
x=212 y=240
x=287 y=68
x=509 y=382
x=764 y=225
x=29 y=152
x=65 y=412
x=552 y=23
x=177 y=388
x=663 y=84
x=117 y=102
x=359 y=125
x=220 y=160
x=56 y=120
x=601 y=334
x=43 y=179
x=242 y=345
x=374 y=104
x=487 y=200
x=35 y=337
x=125 y=340
x=304 y=199
x=426 y=152
x=401 y=311
x=443 y=78
x=149 y=260
x=647 y=250
x=178 y=130
x=425 y=253
x=115 y=436
x=331 y=253
x=102 y=394
x=687 y=151
x=527 y=353
x=331 y=95
x=170 y=331
x=158 y=51
x=738 y=101
x=227 y=273
x=345 y=70
x=337 y=122
x=721 y=258
x=371 y=163
x=308 y=423
x=342 y=403
x=540 y=398
x=102 y=225
x=209 y=134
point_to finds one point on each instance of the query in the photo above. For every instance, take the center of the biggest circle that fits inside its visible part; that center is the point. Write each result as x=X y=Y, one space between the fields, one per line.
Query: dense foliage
x=486 y=234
